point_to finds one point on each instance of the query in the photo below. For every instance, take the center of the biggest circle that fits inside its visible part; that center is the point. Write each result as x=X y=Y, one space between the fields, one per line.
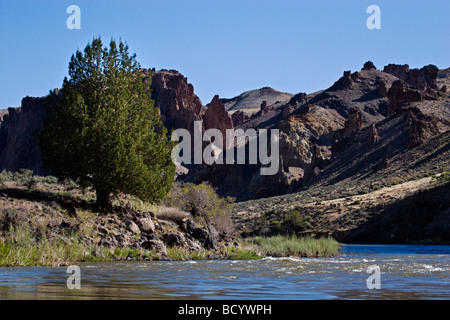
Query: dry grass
x=173 y=214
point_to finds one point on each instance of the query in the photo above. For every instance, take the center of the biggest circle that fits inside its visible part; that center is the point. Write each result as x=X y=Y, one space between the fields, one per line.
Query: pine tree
x=102 y=130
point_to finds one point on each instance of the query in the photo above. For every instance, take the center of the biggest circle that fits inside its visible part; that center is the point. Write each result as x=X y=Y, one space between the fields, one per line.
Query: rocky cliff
x=175 y=98
x=18 y=129
x=315 y=129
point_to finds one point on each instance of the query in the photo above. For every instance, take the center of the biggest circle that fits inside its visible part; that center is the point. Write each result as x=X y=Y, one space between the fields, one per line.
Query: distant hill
x=253 y=98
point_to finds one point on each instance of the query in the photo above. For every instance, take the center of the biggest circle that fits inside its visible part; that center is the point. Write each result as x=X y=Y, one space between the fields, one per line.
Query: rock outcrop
x=175 y=98
x=399 y=94
x=353 y=123
x=239 y=117
x=382 y=88
x=264 y=109
x=373 y=135
x=420 y=126
x=424 y=78
x=287 y=110
x=345 y=82
x=216 y=117
x=19 y=147
x=369 y=66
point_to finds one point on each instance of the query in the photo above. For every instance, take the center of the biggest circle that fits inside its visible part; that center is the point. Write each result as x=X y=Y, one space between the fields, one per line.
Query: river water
x=406 y=272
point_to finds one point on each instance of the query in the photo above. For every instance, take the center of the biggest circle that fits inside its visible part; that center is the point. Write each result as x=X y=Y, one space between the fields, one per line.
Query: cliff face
x=175 y=98
x=18 y=142
x=315 y=130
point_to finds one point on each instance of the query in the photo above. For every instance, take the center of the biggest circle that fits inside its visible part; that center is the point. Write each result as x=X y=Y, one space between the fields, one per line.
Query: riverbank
x=44 y=222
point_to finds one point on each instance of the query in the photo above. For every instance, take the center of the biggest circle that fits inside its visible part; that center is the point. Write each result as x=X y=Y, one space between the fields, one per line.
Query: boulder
x=155 y=245
x=146 y=225
x=174 y=240
x=123 y=240
x=208 y=236
x=131 y=226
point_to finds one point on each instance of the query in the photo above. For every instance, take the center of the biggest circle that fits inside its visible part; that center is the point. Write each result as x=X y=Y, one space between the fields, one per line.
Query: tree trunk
x=103 y=200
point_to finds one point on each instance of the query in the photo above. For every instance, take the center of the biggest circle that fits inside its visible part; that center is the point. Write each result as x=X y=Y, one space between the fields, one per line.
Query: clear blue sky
x=223 y=47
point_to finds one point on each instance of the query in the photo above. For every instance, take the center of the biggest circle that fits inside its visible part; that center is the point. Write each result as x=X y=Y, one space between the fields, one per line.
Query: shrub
x=26 y=178
x=203 y=203
x=294 y=221
x=5 y=176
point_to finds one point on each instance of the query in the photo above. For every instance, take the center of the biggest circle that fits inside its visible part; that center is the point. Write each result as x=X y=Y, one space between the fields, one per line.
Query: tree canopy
x=102 y=129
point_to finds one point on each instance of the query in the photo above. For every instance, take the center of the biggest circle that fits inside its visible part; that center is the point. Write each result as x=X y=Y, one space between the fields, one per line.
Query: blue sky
x=223 y=47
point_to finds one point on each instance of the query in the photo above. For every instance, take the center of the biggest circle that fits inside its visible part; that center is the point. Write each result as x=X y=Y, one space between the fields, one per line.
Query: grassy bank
x=23 y=249
x=283 y=246
x=45 y=222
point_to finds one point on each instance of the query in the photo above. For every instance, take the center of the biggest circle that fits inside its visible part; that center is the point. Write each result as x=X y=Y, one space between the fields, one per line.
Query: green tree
x=102 y=130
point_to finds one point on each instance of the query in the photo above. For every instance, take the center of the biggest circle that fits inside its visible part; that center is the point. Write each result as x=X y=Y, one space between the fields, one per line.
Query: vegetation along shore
x=45 y=222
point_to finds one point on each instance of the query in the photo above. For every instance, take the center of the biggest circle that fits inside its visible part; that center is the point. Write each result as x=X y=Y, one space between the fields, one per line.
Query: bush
x=4 y=177
x=203 y=203
x=26 y=178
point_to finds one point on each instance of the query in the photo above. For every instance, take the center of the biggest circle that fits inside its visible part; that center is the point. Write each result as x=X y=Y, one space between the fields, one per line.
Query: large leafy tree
x=102 y=130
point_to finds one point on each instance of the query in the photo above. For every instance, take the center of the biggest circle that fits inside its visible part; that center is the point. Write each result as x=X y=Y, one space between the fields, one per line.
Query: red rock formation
x=399 y=95
x=239 y=117
x=264 y=109
x=175 y=98
x=422 y=79
x=216 y=117
x=353 y=123
x=421 y=127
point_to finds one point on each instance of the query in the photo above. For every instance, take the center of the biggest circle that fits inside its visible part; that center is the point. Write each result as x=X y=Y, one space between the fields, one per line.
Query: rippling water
x=407 y=272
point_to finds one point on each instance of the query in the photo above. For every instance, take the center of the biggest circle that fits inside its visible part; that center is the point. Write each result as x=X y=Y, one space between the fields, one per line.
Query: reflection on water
x=407 y=272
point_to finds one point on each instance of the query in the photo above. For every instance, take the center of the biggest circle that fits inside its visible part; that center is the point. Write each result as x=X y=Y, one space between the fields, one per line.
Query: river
x=406 y=272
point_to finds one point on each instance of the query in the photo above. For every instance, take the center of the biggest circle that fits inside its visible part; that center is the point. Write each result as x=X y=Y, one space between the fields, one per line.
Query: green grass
x=282 y=246
x=22 y=249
